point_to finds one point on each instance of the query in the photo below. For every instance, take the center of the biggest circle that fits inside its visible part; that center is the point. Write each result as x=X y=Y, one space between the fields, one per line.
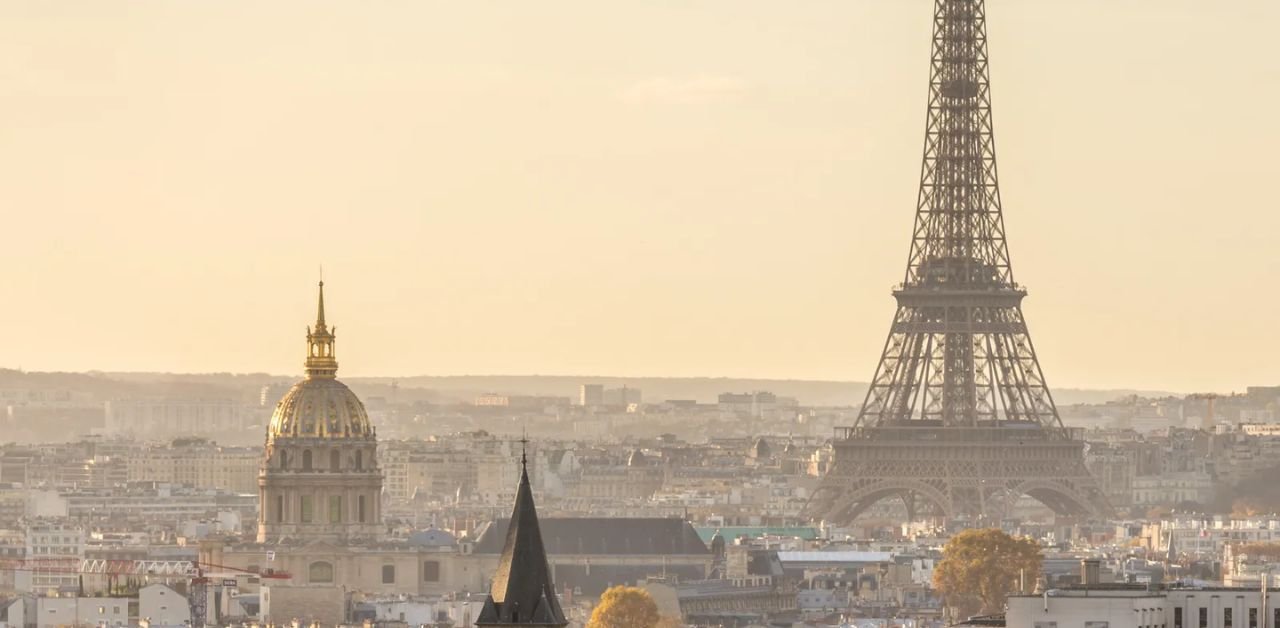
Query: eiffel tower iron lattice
x=958 y=415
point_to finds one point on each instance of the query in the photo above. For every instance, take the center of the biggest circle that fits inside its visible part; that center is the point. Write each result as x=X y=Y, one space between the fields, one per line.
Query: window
x=279 y=508
x=431 y=571
x=1177 y=617
x=334 y=460
x=361 y=509
x=1204 y=617
x=359 y=459
x=388 y=574
x=1227 y=616
x=320 y=572
x=306 y=460
x=306 y=509
x=1253 y=618
x=335 y=509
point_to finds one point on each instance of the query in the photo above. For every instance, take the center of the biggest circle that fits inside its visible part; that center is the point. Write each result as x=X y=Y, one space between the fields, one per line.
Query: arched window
x=334 y=460
x=361 y=509
x=279 y=508
x=284 y=459
x=320 y=572
x=306 y=460
x=359 y=459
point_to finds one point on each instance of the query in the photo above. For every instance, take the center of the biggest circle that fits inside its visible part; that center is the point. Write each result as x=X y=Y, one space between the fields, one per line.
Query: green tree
x=625 y=607
x=980 y=568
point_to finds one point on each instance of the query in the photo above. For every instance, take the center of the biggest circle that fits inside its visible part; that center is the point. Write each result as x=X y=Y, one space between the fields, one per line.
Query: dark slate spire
x=522 y=592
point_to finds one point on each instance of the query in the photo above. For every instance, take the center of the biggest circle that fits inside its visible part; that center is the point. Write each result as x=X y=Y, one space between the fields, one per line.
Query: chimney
x=1090 y=571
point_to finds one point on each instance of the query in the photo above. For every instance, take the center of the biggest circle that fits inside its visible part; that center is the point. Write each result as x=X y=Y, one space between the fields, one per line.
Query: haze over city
x=580 y=314
x=623 y=188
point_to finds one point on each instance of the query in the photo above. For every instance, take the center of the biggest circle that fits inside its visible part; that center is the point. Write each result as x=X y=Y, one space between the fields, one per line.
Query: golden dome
x=320 y=406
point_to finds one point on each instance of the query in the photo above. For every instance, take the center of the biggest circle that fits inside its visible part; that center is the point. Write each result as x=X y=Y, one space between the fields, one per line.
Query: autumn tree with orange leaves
x=625 y=607
x=980 y=568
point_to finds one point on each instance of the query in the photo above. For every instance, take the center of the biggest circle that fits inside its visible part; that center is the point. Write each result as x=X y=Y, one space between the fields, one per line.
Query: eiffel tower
x=958 y=420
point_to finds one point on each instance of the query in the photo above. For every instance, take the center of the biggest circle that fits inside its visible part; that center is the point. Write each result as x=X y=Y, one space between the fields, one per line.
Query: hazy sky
x=630 y=187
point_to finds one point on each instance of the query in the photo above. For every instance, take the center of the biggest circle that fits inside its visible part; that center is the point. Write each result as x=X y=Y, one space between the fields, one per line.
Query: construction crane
x=194 y=573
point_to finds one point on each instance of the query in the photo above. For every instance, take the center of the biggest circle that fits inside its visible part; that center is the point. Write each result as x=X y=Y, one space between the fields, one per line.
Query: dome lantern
x=321 y=361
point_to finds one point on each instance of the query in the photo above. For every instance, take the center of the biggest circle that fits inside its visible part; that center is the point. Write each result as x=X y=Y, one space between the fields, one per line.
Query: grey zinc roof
x=605 y=536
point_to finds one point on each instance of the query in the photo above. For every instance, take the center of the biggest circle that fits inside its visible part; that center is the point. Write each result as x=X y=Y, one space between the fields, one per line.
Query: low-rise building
x=1136 y=606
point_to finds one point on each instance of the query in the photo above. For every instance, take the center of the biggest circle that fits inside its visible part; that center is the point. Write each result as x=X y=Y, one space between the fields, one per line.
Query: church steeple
x=321 y=361
x=522 y=593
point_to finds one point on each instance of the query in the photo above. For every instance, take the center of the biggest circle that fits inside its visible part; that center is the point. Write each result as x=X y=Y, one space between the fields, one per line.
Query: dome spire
x=320 y=308
x=321 y=361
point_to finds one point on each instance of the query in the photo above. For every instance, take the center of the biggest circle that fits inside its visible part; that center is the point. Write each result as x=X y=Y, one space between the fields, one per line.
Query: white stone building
x=159 y=606
x=167 y=418
x=1121 y=606
x=54 y=546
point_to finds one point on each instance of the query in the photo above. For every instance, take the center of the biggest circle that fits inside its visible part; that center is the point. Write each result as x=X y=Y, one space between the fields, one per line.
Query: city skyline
x=623 y=214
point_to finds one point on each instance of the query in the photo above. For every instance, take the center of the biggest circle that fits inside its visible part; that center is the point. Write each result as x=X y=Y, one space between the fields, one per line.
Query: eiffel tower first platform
x=958 y=420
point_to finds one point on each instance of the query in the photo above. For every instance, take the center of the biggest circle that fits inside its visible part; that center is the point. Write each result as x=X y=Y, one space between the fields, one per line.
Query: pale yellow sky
x=633 y=187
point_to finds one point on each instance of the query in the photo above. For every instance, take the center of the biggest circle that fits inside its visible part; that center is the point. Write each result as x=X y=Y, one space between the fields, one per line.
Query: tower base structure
x=976 y=473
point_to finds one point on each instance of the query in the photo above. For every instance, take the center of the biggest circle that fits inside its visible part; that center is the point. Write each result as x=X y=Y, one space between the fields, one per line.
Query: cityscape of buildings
x=394 y=511
x=158 y=500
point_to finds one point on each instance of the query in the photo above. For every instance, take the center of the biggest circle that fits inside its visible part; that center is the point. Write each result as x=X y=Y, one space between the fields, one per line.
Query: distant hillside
x=702 y=389
x=466 y=387
x=654 y=389
x=107 y=386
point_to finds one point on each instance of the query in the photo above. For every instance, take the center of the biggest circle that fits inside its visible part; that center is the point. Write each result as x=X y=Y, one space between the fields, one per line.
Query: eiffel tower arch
x=957 y=472
x=958 y=417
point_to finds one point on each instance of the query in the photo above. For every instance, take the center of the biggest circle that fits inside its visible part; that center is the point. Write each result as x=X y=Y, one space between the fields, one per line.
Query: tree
x=625 y=607
x=1266 y=551
x=980 y=568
